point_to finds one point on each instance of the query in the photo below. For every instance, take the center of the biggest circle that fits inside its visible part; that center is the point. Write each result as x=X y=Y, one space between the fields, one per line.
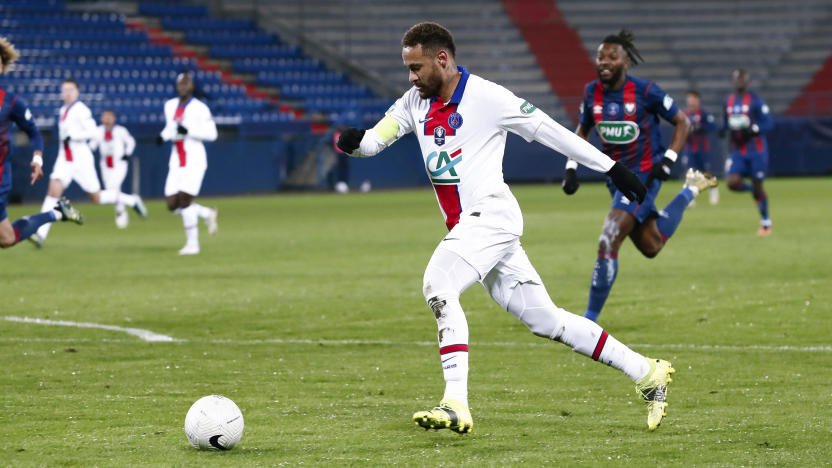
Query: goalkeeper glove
x=350 y=140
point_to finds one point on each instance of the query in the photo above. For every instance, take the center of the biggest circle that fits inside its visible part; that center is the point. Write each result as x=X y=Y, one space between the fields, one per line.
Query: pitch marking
x=145 y=335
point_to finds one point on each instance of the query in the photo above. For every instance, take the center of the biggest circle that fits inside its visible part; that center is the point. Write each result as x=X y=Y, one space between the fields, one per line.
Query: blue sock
x=762 y=205
x=671 y=215
x=27 y=225
x=603 y=276
x=746 y=187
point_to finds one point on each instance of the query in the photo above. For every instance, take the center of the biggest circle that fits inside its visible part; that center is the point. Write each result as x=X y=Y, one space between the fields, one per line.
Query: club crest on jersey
x=439 y=136
x=629 y=108
x=617 y=132
x=455 y=120
x=441 y=166
x=612 y=109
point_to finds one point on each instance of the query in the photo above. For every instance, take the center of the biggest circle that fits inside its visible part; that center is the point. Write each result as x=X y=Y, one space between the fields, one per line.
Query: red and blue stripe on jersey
x=438 y=116
x=638 y=101
x=12 y=108
x=698 y=141
x=178 y=115
x=751 y=105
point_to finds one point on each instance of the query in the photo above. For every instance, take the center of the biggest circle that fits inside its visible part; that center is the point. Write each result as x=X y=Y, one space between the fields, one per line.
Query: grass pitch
x=307 y=312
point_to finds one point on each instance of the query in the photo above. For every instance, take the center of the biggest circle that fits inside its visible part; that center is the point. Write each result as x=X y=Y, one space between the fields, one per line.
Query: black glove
x=159 y=140
x=67 y=139
x=350 y=139
x=628 y=183
x=661 y=170
x=126 y=157
x=181 y=130
x=750 y=132
x=570 y=182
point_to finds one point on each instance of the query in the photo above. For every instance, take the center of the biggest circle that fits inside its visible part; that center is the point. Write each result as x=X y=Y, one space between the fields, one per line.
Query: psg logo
x=439 y=136
x=455 y=120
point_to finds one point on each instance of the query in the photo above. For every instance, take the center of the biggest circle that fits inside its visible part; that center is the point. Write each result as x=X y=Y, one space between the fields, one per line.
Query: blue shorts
x=753 y=165
x=699 y=161
x=647 y=208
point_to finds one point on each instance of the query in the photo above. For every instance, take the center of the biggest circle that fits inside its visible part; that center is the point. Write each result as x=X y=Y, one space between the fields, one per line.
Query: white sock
x=532 y=305
x=189 y=220
x=453 y=346
x=114 y=197
x=119 y=208
x=48 y=205
x=203 y=211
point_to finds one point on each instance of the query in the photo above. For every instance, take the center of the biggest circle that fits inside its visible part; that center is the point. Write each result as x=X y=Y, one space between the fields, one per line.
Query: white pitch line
x=145 y=335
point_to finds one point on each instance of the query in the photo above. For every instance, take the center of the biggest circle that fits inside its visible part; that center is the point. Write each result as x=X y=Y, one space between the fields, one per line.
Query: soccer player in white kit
x=115 y=145
x=188 y=122
x=75 y=161
x=461 y=122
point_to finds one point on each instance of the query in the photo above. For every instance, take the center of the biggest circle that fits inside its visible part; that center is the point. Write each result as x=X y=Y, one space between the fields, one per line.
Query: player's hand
x=37 y=168
x=159 y=140
x=180 y=129
x=628 y=183
x=126 y=157
x=350 y=140
x=750 y=132
x=661 y=170
x=570 y=181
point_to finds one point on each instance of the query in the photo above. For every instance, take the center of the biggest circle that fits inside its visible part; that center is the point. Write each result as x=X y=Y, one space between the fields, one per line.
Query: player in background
x=625 y=112
x=747 y=120
x=697 y=151
x=75 y=161
x=13 y=109
x=115 y=145
x=461 y=122
x=188 y=122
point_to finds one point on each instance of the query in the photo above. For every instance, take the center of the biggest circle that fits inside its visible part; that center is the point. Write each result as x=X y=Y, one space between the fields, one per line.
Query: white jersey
x=188 y=151
x=113 y=145
x=463 y=142
x=76 y=122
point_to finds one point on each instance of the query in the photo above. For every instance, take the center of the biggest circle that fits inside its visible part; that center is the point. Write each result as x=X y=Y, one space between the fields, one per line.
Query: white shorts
x=495 y=253
x=81 y=170
x=184 y=179
x=113 y=177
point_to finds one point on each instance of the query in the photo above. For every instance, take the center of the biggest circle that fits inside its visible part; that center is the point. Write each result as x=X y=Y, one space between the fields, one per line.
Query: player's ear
x=442 y=58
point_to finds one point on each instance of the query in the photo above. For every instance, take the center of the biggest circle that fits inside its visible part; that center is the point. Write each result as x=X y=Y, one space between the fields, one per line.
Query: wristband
x=571 y=164
x=38 y=159
x=671 y=155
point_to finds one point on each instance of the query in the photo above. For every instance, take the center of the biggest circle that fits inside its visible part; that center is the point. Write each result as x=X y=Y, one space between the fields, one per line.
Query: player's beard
x=429 y=86
x=615 y=75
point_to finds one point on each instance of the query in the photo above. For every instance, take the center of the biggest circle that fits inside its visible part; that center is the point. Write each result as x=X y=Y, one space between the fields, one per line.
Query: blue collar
x=460 y=87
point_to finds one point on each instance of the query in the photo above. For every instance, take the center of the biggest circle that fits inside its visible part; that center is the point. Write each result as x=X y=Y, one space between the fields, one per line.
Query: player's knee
x=531 y=305
x=7 y=238
x=609 y=234
x=651 y=250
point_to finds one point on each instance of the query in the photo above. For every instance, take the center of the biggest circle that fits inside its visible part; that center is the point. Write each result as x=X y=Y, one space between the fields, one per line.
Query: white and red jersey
x=188 y=150
x=75 y=121
x=113 y=145
x=463 y=142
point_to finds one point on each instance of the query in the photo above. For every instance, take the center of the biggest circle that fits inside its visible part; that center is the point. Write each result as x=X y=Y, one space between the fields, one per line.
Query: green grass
x=746 y=321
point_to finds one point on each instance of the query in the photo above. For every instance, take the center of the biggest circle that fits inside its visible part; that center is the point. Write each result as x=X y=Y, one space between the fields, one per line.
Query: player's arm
x=708 y=122
x=129 y=143
x=763 y=122
x=204 y=129
x=21 y=116
x=88 y=130
x=660 y=102
x=570 y=173
x=367 y=143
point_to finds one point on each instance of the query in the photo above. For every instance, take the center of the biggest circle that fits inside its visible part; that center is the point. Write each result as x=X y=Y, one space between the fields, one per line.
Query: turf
x=307 y=311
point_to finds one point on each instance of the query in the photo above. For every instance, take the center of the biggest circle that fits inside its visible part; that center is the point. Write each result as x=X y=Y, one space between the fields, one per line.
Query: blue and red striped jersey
x=627 y=120
x=741 y=113
x=13 y=109
x=701 y=124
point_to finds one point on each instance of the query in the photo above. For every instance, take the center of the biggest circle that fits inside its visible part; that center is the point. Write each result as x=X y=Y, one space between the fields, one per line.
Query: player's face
x=108 y=119
x=692 y=101
x=425 y=72
x=69 y=93
x=184 y=86
x=611 y=62
x=741 y=80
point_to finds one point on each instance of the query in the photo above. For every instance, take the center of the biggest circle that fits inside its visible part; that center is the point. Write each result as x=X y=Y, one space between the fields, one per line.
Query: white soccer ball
x=214 y=422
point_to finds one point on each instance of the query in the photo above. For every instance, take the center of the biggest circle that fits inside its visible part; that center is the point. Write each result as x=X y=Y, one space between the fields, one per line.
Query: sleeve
x=87 y=129
x=708 y=122
x=586 y=118
x=660 y=102
x=522 y=118
x=205 y=129
x=724 y=116
x=22 y=116
x=129 y=141
x=95 y=142
x=763 y=117
x=396 y=123
x=169 y=132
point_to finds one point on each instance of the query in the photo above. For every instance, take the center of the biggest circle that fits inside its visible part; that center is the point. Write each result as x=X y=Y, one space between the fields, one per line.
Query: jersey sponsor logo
x=738 y=121
x=441 y=166
x=618 y=132
x=629 y=108
x=527 y=108
x=439 y=136
x=612 y=109
x=455 y=120
x=667 y=102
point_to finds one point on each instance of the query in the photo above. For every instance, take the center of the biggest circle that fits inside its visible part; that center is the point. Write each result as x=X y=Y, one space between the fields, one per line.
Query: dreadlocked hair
x=8 y=55
x=625 y=39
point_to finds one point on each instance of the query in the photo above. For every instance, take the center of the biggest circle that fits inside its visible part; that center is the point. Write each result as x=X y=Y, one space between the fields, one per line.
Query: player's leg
x=207 y=214
x=446 y=277
x=735 y=168
x=58 y=181
x=112 y=196
x=515 y=285
x=190 y=221
x=617 y=226
x=113 y=177
x=759 y=168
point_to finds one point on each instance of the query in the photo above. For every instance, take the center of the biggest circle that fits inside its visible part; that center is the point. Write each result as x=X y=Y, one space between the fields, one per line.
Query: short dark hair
x=71 y=80
x=694 y=92
x=625 y=39
x=433 y=37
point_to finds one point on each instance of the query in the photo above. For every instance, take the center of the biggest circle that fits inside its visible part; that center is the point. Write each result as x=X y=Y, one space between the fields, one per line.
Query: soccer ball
x=214 y=422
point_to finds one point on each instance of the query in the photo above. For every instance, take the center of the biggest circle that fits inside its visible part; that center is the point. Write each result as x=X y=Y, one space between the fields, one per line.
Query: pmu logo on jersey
x=439 y=136
x=527 y=107
x=441 y=167
x=617 y=132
